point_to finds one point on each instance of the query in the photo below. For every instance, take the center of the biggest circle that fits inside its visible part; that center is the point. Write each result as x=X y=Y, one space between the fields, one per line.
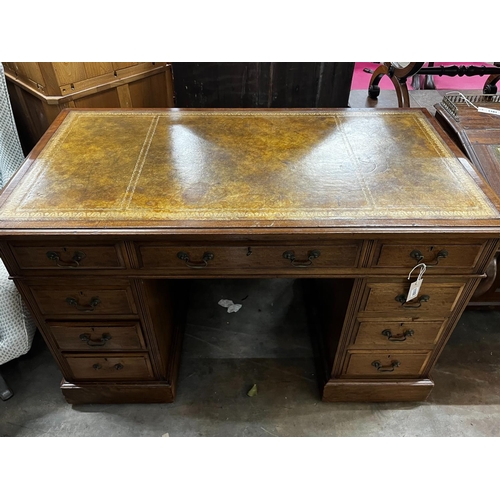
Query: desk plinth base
x=363 y=391
x=93 y=393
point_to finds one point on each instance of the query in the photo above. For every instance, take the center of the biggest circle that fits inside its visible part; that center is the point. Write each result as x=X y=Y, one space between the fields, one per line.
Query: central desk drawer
x=186 y=258
x=95 y=336
x=68 y=257
x=137 y=367
x=83 y=298
x=434 y=299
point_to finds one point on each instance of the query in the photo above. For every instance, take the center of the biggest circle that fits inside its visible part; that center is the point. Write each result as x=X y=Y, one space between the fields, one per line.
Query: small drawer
x=189 y=258
x=393 y=254
x=83 y=299
x=385 y=364
x=68 y=257
x=434 y=299
x=126 y=336
x=136 y=367
x=397 y=334
x=304 y=257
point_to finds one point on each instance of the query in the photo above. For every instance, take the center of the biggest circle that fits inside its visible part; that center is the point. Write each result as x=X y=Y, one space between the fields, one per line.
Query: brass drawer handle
x=74 y=262
x=311 y=255
x=380 y=368
x=400 y=338
x=85 y=337
x=417 y=255
x=402 y=298
x=196 y=265
x=94 y=302
x=118 y=366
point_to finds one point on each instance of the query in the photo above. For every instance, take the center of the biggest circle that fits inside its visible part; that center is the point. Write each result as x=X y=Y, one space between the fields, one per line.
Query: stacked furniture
x=399 y=72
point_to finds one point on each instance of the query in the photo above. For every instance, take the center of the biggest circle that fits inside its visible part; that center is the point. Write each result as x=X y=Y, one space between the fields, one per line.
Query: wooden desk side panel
x=163 y=308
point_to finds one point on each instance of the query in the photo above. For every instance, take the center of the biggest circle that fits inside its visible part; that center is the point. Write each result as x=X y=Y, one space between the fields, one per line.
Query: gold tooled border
x=482 y=208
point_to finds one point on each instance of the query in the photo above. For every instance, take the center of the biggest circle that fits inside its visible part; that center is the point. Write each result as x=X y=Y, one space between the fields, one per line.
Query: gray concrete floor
x=266 y=343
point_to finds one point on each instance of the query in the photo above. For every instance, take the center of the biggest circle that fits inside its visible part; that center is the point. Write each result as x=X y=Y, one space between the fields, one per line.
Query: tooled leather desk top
x=245 y=168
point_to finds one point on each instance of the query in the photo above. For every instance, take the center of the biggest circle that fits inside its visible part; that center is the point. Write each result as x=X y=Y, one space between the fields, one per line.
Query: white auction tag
x=414 y=289
x=469 y=103
x=489 y=111
x=415 y=286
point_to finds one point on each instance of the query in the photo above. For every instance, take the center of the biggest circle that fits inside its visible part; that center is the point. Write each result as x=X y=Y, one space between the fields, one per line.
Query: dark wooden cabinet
x=263 y=85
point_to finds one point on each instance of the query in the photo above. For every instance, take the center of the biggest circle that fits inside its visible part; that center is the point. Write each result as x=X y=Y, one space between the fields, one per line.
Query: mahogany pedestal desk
x=115 y=210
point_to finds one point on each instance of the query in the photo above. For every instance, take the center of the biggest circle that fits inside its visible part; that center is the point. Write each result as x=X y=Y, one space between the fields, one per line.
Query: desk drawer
x=389 y=334
x=187 y=258
x=95 y=337
x=434 y=299
x=83 y=299
x=385 y=364
x=137 y=367
x=393 y=254
x=68 y=257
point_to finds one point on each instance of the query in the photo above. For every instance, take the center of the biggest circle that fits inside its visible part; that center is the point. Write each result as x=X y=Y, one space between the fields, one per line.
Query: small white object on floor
x=231 y=306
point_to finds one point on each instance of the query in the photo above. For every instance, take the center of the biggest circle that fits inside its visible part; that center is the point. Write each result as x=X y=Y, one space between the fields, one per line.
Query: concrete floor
x=266 y=343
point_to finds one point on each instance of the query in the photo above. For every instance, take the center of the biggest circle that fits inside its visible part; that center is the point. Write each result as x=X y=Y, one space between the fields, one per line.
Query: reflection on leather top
x=247 y=166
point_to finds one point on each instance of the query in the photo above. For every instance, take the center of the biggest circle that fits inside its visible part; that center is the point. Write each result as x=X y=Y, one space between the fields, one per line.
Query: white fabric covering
x=17 y=327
